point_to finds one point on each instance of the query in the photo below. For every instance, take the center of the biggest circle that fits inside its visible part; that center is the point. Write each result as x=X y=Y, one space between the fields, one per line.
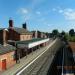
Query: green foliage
x=55 y=32
x=71 y=38
x=62 y=33
x=71 y=32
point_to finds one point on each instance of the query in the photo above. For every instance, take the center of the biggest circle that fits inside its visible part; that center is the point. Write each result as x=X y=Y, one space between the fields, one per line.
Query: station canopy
x=31 y=43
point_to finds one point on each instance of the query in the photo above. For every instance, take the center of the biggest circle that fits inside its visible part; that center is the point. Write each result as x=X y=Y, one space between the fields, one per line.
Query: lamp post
x=26 y=51
x=17 y=54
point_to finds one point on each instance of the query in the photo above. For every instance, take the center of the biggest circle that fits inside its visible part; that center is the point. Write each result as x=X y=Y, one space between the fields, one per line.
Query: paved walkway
x=24 y=61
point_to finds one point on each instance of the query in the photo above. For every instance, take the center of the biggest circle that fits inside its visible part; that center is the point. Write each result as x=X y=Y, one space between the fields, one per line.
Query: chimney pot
x=24 y=26
x=10 y=23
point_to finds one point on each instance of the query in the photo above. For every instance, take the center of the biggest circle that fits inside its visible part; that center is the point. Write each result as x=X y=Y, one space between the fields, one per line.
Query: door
x=3 y=64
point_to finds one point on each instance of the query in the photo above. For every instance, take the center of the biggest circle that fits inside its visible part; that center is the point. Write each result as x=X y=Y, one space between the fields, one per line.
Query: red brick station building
x=15 y=43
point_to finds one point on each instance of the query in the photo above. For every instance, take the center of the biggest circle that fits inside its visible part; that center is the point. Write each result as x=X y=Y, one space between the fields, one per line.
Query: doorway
x=3 y=64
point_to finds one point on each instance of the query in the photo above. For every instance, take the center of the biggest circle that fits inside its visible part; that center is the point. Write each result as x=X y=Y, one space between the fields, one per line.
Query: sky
x=43 y=15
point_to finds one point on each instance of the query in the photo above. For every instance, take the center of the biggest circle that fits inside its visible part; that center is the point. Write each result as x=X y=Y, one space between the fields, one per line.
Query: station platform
x=26 y=60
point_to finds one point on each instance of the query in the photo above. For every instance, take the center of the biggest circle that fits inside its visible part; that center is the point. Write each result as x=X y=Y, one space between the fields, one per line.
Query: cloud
x=49 y=25
x=23 y=11
x=60 y=11
x=36 y=3
x=54 y=9
x=38 y=12
x=68 y=13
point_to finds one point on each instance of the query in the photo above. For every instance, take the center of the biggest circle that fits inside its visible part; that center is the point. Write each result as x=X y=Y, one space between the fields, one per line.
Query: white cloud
x=68 y=13
x=38 y=12
x=36 y=3
x=60 y=11
x=49 y=25
x=54 y=9
x=23 y=11
x=69 y=9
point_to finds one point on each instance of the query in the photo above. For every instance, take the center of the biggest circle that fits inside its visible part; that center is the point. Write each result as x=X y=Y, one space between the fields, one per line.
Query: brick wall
x=4 y=36
x=25 y=37
x=13 y=35
x=18 y=37
x=9 y=59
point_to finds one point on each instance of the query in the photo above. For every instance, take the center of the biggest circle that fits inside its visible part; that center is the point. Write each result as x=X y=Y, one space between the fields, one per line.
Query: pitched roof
x=27 y=43
x=30 y=41
x=22 y=31
x=6 y=49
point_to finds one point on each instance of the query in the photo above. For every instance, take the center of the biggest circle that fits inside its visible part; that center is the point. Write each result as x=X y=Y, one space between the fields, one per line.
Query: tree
x=71 y=32
x=62 y=33
x=55 y=32
x=63 y=36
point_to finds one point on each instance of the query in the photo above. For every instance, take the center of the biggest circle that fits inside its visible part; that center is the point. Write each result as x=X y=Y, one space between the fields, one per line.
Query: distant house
x=18 y=34
x=39 y=34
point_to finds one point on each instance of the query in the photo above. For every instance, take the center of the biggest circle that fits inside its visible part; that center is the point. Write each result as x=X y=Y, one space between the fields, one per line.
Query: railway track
x=41 y=65
x=35 y=68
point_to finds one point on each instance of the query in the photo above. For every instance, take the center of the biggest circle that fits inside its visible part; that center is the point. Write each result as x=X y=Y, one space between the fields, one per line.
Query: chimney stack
x=36 y=34
x=4 y=37
x=10 y=23
x=25 y=26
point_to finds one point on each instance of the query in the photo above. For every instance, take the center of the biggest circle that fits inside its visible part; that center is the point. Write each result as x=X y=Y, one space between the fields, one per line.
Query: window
x=13 y=57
